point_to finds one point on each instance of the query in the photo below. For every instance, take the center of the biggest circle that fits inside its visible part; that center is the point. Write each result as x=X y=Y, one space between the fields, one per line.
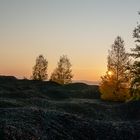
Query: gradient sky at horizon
x=81 y=29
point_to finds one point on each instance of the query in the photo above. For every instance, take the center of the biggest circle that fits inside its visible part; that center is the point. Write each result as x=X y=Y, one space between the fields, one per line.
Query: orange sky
x=82 y=30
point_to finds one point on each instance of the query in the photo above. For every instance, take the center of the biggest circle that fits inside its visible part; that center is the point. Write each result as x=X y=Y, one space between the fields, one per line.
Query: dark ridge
x=76 y=86
x=2 y=77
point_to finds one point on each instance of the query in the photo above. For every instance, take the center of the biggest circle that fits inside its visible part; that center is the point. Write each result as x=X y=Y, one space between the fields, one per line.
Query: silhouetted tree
x=63 y=73
x=40 y=69
x=115 y=84
x=135 y=70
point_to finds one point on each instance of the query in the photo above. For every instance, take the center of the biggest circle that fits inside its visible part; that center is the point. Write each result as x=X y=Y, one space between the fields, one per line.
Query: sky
x=83 y=30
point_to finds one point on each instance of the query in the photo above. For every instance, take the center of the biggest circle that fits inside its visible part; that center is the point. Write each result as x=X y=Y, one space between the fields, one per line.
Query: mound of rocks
x=32 y=123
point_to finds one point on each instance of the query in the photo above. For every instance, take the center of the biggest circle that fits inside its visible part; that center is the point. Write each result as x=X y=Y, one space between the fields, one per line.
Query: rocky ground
x=33 y=110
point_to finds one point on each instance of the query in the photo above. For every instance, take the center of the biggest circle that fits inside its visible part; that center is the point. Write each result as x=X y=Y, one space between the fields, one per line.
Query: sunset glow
x=110 y=73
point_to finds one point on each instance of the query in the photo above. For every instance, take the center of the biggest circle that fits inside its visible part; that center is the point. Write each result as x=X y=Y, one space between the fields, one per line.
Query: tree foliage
x=63 y=73
x=40 y=69
x=115 y=84
x=135 y=70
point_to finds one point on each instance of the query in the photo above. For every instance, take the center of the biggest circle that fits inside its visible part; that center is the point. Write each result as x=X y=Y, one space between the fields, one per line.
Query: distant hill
x=3 y=77
x=87 y=82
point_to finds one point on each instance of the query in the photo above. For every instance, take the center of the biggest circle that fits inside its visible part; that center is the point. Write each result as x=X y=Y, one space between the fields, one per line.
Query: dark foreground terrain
x=33 y=110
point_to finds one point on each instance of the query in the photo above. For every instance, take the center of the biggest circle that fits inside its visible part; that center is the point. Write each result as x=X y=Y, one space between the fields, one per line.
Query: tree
x=40 y=69
x=115 y=84
x=135 y=70
x=63 y=73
